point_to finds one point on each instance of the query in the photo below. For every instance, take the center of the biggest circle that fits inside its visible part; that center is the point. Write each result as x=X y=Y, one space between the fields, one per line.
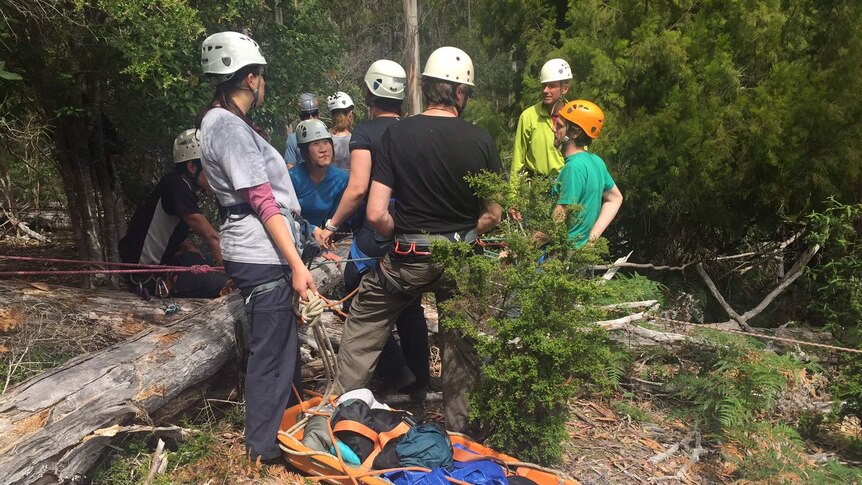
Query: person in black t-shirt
x=385 y=83
x=422 y=161
x=159 y=229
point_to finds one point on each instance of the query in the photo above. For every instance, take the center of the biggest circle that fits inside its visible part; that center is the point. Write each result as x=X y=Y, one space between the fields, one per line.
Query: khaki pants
x=372 y=316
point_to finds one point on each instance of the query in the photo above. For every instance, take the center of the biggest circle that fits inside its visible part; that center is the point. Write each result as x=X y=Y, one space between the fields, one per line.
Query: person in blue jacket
x=318 y=184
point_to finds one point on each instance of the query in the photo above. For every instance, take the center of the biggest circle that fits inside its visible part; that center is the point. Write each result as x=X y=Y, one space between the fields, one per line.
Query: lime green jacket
x=534 y=144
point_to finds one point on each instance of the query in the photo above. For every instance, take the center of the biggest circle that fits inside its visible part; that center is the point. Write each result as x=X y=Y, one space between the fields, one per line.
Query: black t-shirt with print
x=424 y=159
x=157 y=229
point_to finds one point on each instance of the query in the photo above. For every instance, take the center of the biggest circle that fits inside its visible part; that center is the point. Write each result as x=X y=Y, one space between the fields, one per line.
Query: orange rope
x=338 y=454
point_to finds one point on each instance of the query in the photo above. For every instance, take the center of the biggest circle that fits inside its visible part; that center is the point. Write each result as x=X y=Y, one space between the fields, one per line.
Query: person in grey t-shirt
x=341 y=109
x=250 y=180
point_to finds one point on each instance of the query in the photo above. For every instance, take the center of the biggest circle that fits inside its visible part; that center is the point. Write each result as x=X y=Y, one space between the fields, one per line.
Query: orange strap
x=387 y=436
x=358 y=428
x=379 y=439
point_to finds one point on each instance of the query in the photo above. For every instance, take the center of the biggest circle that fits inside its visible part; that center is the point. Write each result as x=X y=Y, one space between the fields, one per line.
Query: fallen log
x=48 y=424
x=124 y=313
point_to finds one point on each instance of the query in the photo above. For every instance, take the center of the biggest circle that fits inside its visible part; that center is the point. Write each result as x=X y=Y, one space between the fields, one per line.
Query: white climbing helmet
x=339 y=100
x=450 y=64
x=555 y=70
x=187 y=146
x=386 y=79
x=225 y=53
x=311 y=130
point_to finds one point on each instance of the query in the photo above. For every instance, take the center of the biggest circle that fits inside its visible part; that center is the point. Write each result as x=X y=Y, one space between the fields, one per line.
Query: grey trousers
x=373 y=314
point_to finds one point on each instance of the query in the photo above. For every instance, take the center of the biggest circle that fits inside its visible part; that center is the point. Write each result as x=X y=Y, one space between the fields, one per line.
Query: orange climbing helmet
x=586 y=115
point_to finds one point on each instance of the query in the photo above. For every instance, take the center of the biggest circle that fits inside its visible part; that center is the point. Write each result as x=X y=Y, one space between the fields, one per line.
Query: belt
x=239 y=210
x=420 y=244
x=467 y=235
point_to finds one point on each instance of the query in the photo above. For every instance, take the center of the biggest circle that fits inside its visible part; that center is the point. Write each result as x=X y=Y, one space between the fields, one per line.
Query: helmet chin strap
x=255 y=93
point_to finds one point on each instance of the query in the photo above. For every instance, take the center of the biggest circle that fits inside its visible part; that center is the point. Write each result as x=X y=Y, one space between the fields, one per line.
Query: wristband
x=329 y=227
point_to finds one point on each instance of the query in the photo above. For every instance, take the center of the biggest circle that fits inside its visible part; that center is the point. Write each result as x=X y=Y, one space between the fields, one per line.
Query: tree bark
x=411 y=51
x=46 y=423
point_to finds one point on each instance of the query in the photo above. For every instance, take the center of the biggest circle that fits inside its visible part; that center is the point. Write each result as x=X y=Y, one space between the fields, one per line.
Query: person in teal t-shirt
x=584 y=180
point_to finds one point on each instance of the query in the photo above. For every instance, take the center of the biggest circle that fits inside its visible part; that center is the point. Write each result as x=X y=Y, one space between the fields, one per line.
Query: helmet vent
x=218 y=47
x=226 y=61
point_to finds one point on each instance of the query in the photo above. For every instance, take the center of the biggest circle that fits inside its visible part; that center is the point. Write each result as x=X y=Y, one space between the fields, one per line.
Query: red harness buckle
x=411 y=249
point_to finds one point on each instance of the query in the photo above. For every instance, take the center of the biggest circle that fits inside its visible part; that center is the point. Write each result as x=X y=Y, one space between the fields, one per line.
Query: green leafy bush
x=775 y=453
x=531 y=322
x=837 y=280
x=728 y=383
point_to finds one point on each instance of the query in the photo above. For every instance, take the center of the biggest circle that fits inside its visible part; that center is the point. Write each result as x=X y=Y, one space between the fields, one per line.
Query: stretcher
x=320 y=466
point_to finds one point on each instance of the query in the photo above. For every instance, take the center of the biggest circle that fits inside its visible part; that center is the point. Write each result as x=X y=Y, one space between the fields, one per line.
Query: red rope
x=127 y=268
x=77 y=261
x=197 y=269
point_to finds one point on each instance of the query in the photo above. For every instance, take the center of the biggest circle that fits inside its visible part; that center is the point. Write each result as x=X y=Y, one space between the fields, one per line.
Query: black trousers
x=190 y=285
x=412 y=330
x=274 y=368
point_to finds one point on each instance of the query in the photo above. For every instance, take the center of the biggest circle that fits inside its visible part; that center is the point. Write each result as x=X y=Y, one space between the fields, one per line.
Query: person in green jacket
x=584 y=182
x=534 y=150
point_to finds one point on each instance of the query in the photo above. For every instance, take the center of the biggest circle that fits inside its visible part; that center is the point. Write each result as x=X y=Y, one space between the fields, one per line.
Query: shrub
x=531 y=322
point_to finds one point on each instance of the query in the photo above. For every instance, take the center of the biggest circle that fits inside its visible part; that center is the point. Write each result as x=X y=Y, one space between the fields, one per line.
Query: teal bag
x=426 y=445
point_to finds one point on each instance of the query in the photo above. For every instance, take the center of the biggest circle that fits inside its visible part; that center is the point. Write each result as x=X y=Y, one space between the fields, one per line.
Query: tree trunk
x=411 y=51
x=49 y=424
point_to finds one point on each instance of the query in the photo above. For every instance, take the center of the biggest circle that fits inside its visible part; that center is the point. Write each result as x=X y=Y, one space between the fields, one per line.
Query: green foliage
x=531 y=324
x=775 y=453
x=838 y=302
x=130 y=464
x=633 y=411
x=732 y=382
x=633 y=287
x=124 y=467
x=838 y=278
x=720 y=116
x=15 y=371
x=9 y=76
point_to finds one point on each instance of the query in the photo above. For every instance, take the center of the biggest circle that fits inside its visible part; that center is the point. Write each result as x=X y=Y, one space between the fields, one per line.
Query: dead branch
x=714 y=290
x=671 y=451
x=604 y=267
x=626 y=323
x=159 y=462
x=631 y=305
x=794 y=273
x=176 y=433
x=609 y=274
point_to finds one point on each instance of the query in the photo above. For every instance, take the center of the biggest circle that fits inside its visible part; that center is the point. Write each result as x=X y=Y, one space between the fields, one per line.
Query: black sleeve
x=360 y=139
x=494 y=163
x=381 y=169
x=178 y=198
